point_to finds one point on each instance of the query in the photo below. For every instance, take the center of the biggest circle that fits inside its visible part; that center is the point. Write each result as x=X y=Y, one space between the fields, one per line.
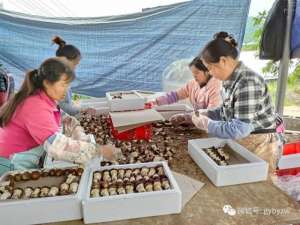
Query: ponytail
x=66 y=50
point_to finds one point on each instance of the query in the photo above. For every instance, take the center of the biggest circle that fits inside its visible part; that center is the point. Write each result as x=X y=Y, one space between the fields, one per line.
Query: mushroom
x=44 y=191
x=112 y=190
x=35 y=193
x=140 y=187
x=160 y=170
x=149 y=186
x=17 y=193
x=157 y=185
x=165 y=183
x=71 y=178
x=121 y=173
x=64 y=189
x=95 y=193
x=97 y=177
x=152 y=171
x=53 y=191
x=73 y=188
x=121 y=190
x=104 y=192
x=26 y=176
x=129 y=188
x=144 y=171
x=27 y=192
x=5 y=195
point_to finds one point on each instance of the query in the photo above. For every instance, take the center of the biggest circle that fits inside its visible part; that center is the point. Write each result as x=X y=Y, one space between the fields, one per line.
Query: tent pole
x=284 y=62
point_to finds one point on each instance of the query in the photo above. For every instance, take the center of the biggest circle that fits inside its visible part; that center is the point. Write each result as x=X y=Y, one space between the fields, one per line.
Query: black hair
x=223 y=44
x=66 y=50
x=51 y=70
x=197 y=62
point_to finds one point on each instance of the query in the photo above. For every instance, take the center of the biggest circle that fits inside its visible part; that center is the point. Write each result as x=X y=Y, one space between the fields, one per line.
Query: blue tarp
x=120 y=53
x=295 y=42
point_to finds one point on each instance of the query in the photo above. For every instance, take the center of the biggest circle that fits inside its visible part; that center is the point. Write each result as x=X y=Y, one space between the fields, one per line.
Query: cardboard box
x=135 y=205
x=43 y=210
x=245 y=168
x=123 y=121
x=129 y=100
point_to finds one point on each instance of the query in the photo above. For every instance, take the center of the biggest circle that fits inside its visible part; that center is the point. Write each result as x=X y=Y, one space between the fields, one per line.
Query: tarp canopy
x=124 y=52
x=295 y=42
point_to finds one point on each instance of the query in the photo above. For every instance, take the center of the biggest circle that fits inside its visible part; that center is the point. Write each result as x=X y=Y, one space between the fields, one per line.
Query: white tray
x=99 y=104
x=43 y=210
x=135 y=102
x=255 y=170
x=136 y=205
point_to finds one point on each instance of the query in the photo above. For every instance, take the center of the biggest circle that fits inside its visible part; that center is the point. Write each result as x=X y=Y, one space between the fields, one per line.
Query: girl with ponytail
x=73 y=55
x=247 y=113
x=30 y=122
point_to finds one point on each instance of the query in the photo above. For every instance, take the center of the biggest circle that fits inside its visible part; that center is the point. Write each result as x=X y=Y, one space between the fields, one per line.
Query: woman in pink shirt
x=203 y=92
x=32 y=119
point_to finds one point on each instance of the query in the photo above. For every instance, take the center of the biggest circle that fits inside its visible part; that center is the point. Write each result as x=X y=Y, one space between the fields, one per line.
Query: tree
x=272 y=67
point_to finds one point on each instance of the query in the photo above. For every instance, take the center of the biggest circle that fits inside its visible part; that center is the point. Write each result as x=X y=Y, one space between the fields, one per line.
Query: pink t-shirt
x=33 y=122
x=206 y=97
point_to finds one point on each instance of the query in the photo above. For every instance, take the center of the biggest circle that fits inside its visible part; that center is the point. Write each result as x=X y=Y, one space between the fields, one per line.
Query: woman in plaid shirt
x=246 y=114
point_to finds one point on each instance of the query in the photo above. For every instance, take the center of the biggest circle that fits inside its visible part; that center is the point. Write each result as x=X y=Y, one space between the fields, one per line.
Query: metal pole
x=284 y=62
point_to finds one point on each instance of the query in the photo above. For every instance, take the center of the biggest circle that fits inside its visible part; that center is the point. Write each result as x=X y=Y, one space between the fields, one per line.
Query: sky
x=98 y=8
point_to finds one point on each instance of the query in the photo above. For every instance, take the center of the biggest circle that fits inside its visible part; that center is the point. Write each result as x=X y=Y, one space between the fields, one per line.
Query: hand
x=181 y=118
x=203 y=112
x=69 y=124
x=152 y=103
x=89 y=111
x=110 y=153
x=200 y=121
x=79 y=134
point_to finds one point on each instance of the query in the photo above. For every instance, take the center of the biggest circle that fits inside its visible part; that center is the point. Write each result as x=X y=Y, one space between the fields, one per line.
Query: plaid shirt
x=246 y=98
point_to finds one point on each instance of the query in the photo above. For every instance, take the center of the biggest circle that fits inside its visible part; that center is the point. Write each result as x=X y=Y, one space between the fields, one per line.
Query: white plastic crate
x=169 y=110
x=99 y=104
x=254 y=170
x=135 y=205
x=130 y=100
x=43 y=210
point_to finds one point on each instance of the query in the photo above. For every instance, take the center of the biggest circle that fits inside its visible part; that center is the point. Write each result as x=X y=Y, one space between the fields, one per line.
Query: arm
x=214 y=94
x=67 y=106
x=64 y=148
x=234 y=129
x=244 y=109
x=174 y=96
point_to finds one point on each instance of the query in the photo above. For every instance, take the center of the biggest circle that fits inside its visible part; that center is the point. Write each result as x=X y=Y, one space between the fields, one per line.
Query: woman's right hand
x=110 y=152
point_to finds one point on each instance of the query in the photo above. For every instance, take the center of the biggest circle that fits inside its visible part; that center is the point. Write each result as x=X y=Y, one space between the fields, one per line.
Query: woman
x=73 y=55
x=247 y=114
x=203 y=92
x=30 y=121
